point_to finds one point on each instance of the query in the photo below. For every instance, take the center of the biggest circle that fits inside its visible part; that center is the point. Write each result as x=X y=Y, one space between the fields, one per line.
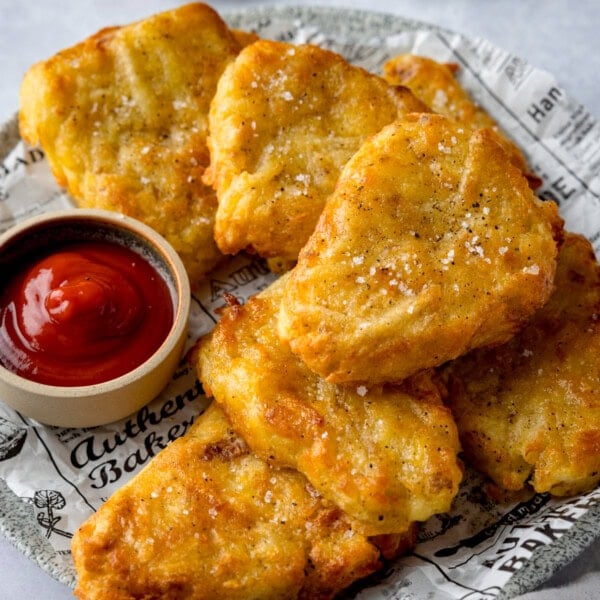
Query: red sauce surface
x=83 y=314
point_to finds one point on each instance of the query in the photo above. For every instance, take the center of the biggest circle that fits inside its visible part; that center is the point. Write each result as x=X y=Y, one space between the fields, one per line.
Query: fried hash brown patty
x=529 y=411
x=436 y=85
x=206 y=519
x=432 y=244
x=122 y=118
x=283 y=122
x=386 y=455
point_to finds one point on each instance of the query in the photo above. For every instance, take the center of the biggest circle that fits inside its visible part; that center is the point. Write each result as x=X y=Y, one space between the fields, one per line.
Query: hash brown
x=386 y=455
x=431 y=245
x=284 y=120
x=206 y=519
x=528 y=412
x=123 y=119
x=436 y=85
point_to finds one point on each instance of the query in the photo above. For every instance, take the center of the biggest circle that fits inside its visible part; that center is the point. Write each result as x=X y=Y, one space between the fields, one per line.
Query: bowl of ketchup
x=94 y=310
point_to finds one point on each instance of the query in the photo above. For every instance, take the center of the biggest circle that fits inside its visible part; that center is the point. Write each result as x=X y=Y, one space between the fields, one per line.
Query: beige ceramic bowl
x=97 y=404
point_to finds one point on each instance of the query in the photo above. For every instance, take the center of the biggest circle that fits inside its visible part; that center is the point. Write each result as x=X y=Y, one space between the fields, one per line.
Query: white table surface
x=549 y=34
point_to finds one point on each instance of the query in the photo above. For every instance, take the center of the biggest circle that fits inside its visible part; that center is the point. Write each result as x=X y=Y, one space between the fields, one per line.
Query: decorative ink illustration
x=12 y=438
x=50 y=501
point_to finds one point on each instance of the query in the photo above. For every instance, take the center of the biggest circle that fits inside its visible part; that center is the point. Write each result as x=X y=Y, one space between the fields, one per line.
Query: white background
x=557 y=35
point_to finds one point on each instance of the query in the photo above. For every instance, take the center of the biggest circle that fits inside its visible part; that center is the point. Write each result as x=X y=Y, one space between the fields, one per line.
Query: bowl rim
x=181 y=305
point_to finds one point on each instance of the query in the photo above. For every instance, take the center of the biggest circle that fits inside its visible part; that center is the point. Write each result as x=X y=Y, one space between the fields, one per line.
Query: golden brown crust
x=436 y=85
x=244 y=38
x=206 y=519
x=529 y=411
x=386 y=455
x=122 y=118
x=432 y=244
x=283 y=122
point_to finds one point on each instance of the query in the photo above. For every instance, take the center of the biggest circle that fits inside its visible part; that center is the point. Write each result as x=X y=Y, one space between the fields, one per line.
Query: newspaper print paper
x=53 y=478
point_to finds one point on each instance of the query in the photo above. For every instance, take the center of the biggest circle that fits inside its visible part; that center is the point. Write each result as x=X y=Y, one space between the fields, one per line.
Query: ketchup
x=83 y=314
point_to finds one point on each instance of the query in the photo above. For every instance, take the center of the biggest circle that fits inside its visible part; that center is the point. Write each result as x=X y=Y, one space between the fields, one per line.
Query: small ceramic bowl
x=114 y=399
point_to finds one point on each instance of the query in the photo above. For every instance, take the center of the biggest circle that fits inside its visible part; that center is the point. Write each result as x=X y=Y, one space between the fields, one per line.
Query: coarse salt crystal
x=405 y=289
x=532 y=270
x=449 y=257
x=303 y=178
x=440 y=98
x=362 y=390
